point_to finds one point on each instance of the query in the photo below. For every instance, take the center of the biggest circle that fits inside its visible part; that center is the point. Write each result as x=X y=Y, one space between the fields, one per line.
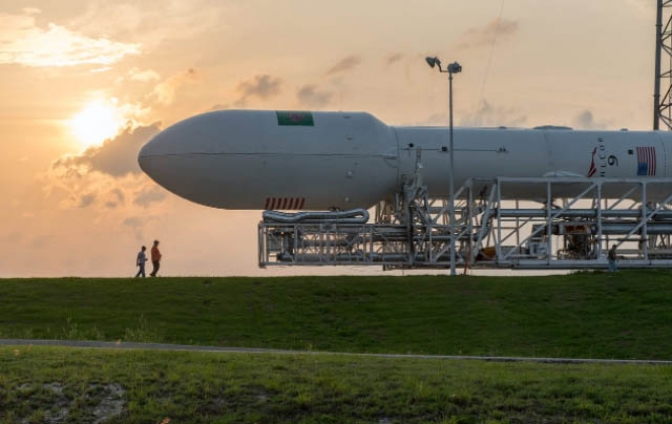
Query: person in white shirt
x=140 y=262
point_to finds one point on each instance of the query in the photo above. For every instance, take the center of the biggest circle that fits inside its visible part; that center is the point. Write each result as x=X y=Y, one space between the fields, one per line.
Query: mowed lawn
x=625 y=315
x=40 y=384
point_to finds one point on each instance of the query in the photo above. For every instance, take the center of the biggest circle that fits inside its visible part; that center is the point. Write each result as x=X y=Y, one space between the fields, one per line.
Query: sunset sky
x=85 y=84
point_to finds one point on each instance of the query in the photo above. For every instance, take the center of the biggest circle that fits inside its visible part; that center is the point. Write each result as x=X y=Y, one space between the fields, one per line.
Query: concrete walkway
x=217 y=349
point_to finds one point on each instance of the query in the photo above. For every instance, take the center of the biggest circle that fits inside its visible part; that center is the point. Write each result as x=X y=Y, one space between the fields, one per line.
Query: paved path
x=217 y=349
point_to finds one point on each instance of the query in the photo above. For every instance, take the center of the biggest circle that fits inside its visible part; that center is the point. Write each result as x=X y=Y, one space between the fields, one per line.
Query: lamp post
x=453 y=68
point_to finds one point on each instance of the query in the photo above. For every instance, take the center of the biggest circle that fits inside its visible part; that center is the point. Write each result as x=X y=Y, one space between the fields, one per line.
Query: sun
x=97 y=122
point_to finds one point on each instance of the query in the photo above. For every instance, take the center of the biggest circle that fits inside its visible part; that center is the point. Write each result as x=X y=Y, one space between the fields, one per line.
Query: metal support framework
x=662 y=106
x=492 y=228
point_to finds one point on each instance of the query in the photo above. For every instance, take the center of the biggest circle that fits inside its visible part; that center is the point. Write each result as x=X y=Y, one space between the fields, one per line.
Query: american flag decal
x=646 y=161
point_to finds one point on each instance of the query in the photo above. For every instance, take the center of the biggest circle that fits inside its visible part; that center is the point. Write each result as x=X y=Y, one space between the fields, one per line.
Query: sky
x=86 y=83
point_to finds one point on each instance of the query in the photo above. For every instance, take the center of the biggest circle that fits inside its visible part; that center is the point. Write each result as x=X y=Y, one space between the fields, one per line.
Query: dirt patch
x=106 y=400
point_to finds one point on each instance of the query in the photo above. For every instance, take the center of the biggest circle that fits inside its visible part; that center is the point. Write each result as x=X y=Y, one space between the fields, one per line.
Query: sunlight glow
x=97 y=122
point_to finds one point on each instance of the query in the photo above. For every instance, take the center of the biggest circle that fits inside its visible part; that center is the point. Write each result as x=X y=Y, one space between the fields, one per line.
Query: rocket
x=300 y=160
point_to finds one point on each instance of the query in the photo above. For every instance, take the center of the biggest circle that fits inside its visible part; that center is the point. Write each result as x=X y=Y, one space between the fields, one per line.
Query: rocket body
x=243 y=159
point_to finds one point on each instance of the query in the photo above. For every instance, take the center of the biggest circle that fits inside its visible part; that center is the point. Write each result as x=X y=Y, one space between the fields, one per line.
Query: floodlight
x=454 y=68
x=433 y=61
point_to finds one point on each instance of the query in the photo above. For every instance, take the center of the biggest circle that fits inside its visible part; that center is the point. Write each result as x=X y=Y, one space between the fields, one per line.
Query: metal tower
x=662 y=107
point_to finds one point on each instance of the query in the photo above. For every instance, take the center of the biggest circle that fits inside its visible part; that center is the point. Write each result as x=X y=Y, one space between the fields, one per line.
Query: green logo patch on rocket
x=299 y=118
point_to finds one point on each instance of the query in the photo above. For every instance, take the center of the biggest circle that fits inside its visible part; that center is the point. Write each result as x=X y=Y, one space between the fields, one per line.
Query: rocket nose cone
x=144 y=157
x=149 y=154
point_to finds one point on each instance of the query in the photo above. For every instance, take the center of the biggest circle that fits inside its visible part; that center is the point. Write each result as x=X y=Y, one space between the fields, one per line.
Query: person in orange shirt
x=156 y=258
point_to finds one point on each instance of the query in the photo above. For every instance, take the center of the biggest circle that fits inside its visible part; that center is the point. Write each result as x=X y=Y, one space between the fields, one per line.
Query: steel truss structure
x=662 y=106
x=571 y=225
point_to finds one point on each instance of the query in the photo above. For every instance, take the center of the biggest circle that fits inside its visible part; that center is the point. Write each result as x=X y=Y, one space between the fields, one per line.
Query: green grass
x=594 y=315
x=598 y=315
x=248 y=388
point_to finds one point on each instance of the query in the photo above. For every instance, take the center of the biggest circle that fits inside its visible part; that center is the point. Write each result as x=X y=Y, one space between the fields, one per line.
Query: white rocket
x=284 y=160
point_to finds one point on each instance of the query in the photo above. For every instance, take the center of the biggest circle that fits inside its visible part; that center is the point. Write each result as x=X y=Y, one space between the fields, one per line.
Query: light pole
x=453 y=68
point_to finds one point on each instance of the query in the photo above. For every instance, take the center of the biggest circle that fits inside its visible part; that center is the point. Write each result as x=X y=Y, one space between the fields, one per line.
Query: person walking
x=156 y=259
x=140 y=262
x=611 y=256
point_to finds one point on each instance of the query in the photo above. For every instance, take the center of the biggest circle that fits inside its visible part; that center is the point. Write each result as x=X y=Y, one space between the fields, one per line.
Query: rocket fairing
x=286 y=160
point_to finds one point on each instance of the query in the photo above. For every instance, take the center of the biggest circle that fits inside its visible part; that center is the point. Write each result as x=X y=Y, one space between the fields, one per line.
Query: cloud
x=586 y=120
x=153 y=22
x=135 y=221
x=104 y=177
x=262 y=86
x=148 y=195
x=115 y=198
x=487 y=115
x=164 y=93
x=119 y=194
x=493 y=30
x=31 y=11
x=137 y=224
x=87 y=200
x=22 y=42
x=392 y=58
x=344 y=65
x=311 y=96
x=146 y=75
x=116 y=157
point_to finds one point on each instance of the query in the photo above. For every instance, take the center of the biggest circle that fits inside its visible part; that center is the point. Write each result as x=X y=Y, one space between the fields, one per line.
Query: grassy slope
x=623 y=315
x=236 y=388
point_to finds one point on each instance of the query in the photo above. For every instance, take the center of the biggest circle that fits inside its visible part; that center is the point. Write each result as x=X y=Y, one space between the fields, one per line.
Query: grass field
x=591 y=315
x=42 y=384
x=626 y=315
